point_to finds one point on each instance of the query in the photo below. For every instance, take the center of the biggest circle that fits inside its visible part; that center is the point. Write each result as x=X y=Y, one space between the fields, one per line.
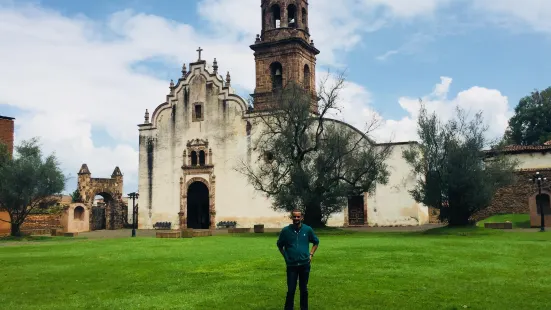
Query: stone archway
x=113 y=214
x=198 y=215
x=542 y=199
x=201 y=191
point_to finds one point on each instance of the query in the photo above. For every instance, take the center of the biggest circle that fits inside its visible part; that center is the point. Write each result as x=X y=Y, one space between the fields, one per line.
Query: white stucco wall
x=392 y=204
x=534 y=160
x=224 y=126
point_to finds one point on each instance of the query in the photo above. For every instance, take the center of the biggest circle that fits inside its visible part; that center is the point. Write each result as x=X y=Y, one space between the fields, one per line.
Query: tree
x=457 y=180
x=75 y=196
x=310 y=162
x=531 y=123
x=26 y=180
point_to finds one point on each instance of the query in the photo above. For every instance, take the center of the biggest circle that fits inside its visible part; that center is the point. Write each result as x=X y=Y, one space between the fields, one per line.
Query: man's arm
x=280 y=244
x=314 y=239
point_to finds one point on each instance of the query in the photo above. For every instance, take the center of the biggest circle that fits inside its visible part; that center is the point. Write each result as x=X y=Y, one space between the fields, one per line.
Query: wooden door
x=356 y=214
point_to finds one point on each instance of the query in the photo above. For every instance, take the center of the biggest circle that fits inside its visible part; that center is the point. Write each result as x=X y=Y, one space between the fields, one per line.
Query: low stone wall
x=42 y=221
x=512 y=199
x=507 y=225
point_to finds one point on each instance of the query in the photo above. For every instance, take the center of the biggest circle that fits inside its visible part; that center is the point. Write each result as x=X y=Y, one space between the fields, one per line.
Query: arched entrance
x=101 y=203
x=103 y=197
x=198 y=215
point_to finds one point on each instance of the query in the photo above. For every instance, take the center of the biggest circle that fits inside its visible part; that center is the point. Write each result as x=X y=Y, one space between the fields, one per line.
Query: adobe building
x=523 y=196
x=7 y=137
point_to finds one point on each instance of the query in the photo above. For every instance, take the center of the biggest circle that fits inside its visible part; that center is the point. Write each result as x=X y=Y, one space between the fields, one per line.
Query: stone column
x=183 y=205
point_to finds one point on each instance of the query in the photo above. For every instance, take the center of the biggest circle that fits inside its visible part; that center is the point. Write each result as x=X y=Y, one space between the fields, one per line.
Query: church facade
x=191 y=145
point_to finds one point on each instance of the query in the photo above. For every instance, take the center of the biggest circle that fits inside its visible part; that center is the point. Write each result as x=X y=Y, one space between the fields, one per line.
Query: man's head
x=296 y=216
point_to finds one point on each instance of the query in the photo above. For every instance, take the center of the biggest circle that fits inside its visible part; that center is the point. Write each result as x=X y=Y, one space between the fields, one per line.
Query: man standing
x=294 y=244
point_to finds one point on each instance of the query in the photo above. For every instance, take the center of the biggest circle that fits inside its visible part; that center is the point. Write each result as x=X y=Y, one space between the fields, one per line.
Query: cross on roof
x=199 y=50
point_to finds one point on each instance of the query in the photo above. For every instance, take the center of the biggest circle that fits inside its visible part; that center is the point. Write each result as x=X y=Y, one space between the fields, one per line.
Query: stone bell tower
x=283 y=52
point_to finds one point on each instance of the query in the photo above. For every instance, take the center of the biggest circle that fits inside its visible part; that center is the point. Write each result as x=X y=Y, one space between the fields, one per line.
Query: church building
x=191 y=144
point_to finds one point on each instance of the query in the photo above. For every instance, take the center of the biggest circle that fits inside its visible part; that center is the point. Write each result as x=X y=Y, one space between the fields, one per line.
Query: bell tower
x=283 y=52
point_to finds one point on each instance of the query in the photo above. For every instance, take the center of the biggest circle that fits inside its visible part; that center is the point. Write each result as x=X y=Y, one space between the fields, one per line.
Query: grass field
x=518 y=220
x=441 y=269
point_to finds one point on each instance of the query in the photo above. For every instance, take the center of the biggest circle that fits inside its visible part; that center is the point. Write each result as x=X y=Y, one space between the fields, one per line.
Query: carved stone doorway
x=356 y=212
x=198 y=202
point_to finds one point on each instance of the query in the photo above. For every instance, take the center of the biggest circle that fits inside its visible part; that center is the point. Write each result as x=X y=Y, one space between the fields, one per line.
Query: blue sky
x=80 y=74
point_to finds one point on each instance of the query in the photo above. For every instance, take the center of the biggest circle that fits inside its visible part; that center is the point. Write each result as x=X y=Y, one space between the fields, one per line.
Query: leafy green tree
x=457 y=180
x=310 y=162
x=27 y=180
x=531 y=123
x=75 y=196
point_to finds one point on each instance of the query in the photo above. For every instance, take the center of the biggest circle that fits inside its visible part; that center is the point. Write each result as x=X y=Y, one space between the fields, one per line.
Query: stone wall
x=513 y=199
x=42 y=221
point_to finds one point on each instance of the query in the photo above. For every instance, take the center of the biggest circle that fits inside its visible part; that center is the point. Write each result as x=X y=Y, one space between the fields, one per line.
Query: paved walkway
x=125 y=233
x=395 y=229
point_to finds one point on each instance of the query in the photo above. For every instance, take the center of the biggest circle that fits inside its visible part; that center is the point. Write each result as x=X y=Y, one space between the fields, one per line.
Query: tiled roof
x=522 y=148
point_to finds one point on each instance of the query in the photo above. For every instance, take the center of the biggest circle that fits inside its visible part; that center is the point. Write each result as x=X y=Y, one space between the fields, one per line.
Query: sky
x=80 y=74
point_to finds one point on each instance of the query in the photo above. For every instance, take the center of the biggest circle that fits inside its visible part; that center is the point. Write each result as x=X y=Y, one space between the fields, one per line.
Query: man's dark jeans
x=301 y=273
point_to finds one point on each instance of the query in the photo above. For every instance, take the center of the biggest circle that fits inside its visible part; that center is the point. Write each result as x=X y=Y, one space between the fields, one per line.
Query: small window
x=304 y=18
x=276 y=16
x=306 y=77
x=198 y=112
x=202 y=158
x=277 y=75
x=193 y=158
x=292 y=16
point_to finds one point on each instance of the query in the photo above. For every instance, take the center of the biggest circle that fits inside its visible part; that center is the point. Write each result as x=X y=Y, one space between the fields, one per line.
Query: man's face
x=297 y=217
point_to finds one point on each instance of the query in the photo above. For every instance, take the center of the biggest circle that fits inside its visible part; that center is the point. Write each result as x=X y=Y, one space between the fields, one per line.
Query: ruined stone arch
x=113 y=215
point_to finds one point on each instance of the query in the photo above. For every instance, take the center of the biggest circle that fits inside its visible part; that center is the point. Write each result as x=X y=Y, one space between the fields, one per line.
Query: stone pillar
x=183 y=205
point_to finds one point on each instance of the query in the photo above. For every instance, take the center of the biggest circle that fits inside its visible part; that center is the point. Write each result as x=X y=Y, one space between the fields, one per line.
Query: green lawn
x=443 y=269
x=518 y=220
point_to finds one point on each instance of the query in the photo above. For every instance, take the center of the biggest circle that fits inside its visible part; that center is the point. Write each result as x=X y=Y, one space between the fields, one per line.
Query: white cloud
x=413 y=45
x=73 y=74
x=536 y=14
x=491 y=102
x=406 y=8
x=336 y=26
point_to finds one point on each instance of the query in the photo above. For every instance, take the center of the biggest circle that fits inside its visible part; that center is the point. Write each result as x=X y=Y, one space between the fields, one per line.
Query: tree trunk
x=458 y=216
x=312 y=216
x=15 y=229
